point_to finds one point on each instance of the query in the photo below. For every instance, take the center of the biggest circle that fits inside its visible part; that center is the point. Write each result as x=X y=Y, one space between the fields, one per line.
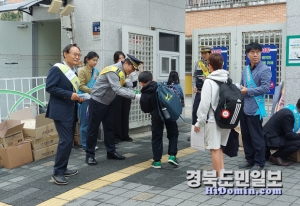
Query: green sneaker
x=156 y=164
x=173 y=160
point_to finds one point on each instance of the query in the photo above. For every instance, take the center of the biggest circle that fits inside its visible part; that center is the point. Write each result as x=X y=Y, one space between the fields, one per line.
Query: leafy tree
x=11 y=16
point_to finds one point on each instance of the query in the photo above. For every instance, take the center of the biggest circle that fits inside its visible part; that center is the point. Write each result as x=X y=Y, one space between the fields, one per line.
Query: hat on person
x=205 y=49
x=134 y=61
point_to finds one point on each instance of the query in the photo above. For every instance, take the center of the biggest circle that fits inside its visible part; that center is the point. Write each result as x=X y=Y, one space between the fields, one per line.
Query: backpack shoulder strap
x=159 y=85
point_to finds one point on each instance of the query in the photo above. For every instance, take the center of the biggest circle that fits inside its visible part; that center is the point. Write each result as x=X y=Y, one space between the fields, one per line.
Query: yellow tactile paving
x=94 y=185
x=114 y=177
x=106 y=180
x=73 y=194
x=4 y=204
x=53 y=201
x=132 y=170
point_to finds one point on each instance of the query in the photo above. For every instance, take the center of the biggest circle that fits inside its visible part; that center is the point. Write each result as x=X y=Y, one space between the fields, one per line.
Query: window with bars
x=141 y=46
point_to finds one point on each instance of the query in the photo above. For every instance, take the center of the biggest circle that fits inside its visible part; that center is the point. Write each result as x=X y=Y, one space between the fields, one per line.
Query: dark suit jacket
x=279 y=128
x=60 y=106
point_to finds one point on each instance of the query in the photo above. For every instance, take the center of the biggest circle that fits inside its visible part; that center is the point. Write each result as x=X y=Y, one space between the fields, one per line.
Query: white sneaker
x=96 y=148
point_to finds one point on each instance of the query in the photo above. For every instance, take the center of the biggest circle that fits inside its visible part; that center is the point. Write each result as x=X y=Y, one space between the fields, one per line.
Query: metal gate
x=142 y=44
x=235 y=39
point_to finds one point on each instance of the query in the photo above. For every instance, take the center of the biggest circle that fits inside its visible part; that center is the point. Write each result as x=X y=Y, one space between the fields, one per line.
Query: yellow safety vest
x=204 y=68
x=66 y=70
x=119 y=72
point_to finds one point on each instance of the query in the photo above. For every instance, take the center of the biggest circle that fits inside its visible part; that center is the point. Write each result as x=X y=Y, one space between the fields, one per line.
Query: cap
x=134 y=61
x=205 y=49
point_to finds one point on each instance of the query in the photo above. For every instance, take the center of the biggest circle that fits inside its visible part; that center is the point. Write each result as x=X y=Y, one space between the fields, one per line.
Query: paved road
x=133 y=181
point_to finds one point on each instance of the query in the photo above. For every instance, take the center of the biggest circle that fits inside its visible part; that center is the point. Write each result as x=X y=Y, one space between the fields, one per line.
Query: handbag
x=232 y=146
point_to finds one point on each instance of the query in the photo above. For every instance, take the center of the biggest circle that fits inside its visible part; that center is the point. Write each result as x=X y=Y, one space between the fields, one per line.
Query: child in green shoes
x=148 y=104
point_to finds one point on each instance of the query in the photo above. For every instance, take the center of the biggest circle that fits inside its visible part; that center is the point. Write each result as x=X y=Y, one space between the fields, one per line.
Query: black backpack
x=230 y=105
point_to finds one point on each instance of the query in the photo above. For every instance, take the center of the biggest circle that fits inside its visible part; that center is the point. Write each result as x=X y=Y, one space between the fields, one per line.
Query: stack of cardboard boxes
x=39 y=131
x=77 y=135
x=14 y=151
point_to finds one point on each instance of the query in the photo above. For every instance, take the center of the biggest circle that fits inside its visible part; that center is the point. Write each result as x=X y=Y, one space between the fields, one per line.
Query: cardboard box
x=34 y=128
x=37 y=144
x=11 y=133
x=44 y=152
x=295 y=156
x=16 y=156
x=77 y=139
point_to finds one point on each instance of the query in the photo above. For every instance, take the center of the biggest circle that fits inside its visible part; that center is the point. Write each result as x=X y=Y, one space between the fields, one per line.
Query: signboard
x=223 y=51
x=269 y=58
x=293 y=51
x=96 y=30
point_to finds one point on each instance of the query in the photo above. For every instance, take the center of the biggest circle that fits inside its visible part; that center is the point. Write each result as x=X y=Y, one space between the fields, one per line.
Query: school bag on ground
x=169 y=104
x=230 y=105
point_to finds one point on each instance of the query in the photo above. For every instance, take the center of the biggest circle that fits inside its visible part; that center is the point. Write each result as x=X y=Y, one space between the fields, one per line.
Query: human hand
x=75 y=97
x=196 y=129
x=80 y=100
x=195 y=90
x=244 y=90
x=138 y=97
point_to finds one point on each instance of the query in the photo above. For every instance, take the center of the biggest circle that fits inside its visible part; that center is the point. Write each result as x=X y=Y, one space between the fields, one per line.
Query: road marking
x=107 y=180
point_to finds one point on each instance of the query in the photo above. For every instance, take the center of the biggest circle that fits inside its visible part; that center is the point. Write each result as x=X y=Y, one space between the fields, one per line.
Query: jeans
x=84 y=122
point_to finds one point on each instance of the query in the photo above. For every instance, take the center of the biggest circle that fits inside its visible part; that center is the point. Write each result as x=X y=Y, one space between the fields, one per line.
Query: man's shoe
x=69 y=173
x=278 y=161
x=127 y=139
x=114 y=155
x=59 y=179
x=173 y=160
x=246 y=165
x=156 y=164
x=256 y=168
x=90 y=161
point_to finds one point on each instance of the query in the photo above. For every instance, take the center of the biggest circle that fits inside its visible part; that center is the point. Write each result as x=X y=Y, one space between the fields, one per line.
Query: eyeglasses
x=76 y=55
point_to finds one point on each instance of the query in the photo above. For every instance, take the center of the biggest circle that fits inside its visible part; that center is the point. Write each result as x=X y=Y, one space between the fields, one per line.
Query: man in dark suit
x=280 y=133
x=62 y=85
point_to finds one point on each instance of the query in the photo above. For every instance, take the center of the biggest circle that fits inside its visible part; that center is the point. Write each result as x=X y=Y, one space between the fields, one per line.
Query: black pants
x=98 y=113
x=157 y=138
x=65 y=132
x=290 y=146
x=195 y=107
x=253 y=139
x=121 y=117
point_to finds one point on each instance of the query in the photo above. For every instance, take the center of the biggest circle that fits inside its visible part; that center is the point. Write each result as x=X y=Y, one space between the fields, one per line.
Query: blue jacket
x=262 y=78
x=60 y=106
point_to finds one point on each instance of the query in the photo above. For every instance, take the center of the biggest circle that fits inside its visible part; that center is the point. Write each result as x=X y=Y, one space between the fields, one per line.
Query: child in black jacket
x=149 y=104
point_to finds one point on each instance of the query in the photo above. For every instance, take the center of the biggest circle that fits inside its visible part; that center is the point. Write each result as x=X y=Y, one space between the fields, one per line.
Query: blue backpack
x=169 y=105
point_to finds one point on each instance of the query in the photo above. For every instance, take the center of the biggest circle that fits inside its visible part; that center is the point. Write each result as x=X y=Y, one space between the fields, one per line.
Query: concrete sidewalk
x=133 y=181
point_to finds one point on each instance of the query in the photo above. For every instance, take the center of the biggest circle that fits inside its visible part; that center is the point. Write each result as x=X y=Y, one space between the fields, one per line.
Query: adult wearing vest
x=201 y=71
x=109 y=83
x=122 y=107
x=62 y=85
x=280 y=134
x=255 y=83
x=87 y=76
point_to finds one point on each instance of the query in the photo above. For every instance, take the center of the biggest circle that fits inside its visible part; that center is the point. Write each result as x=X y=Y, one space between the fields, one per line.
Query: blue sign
x=269 y=58
x=223 y=51
x=96 y=30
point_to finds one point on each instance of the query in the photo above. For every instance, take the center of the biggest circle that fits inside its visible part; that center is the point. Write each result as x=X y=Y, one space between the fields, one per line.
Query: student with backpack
x=174 y=84
x=149 y=104
x=214 y=136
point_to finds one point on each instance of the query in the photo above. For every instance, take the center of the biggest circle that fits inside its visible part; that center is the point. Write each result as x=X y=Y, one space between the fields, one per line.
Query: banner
x=269 y=58
x=223 y=51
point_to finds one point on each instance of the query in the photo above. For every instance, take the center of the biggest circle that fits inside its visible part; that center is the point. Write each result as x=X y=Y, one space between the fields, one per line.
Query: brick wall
x=265 y=14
